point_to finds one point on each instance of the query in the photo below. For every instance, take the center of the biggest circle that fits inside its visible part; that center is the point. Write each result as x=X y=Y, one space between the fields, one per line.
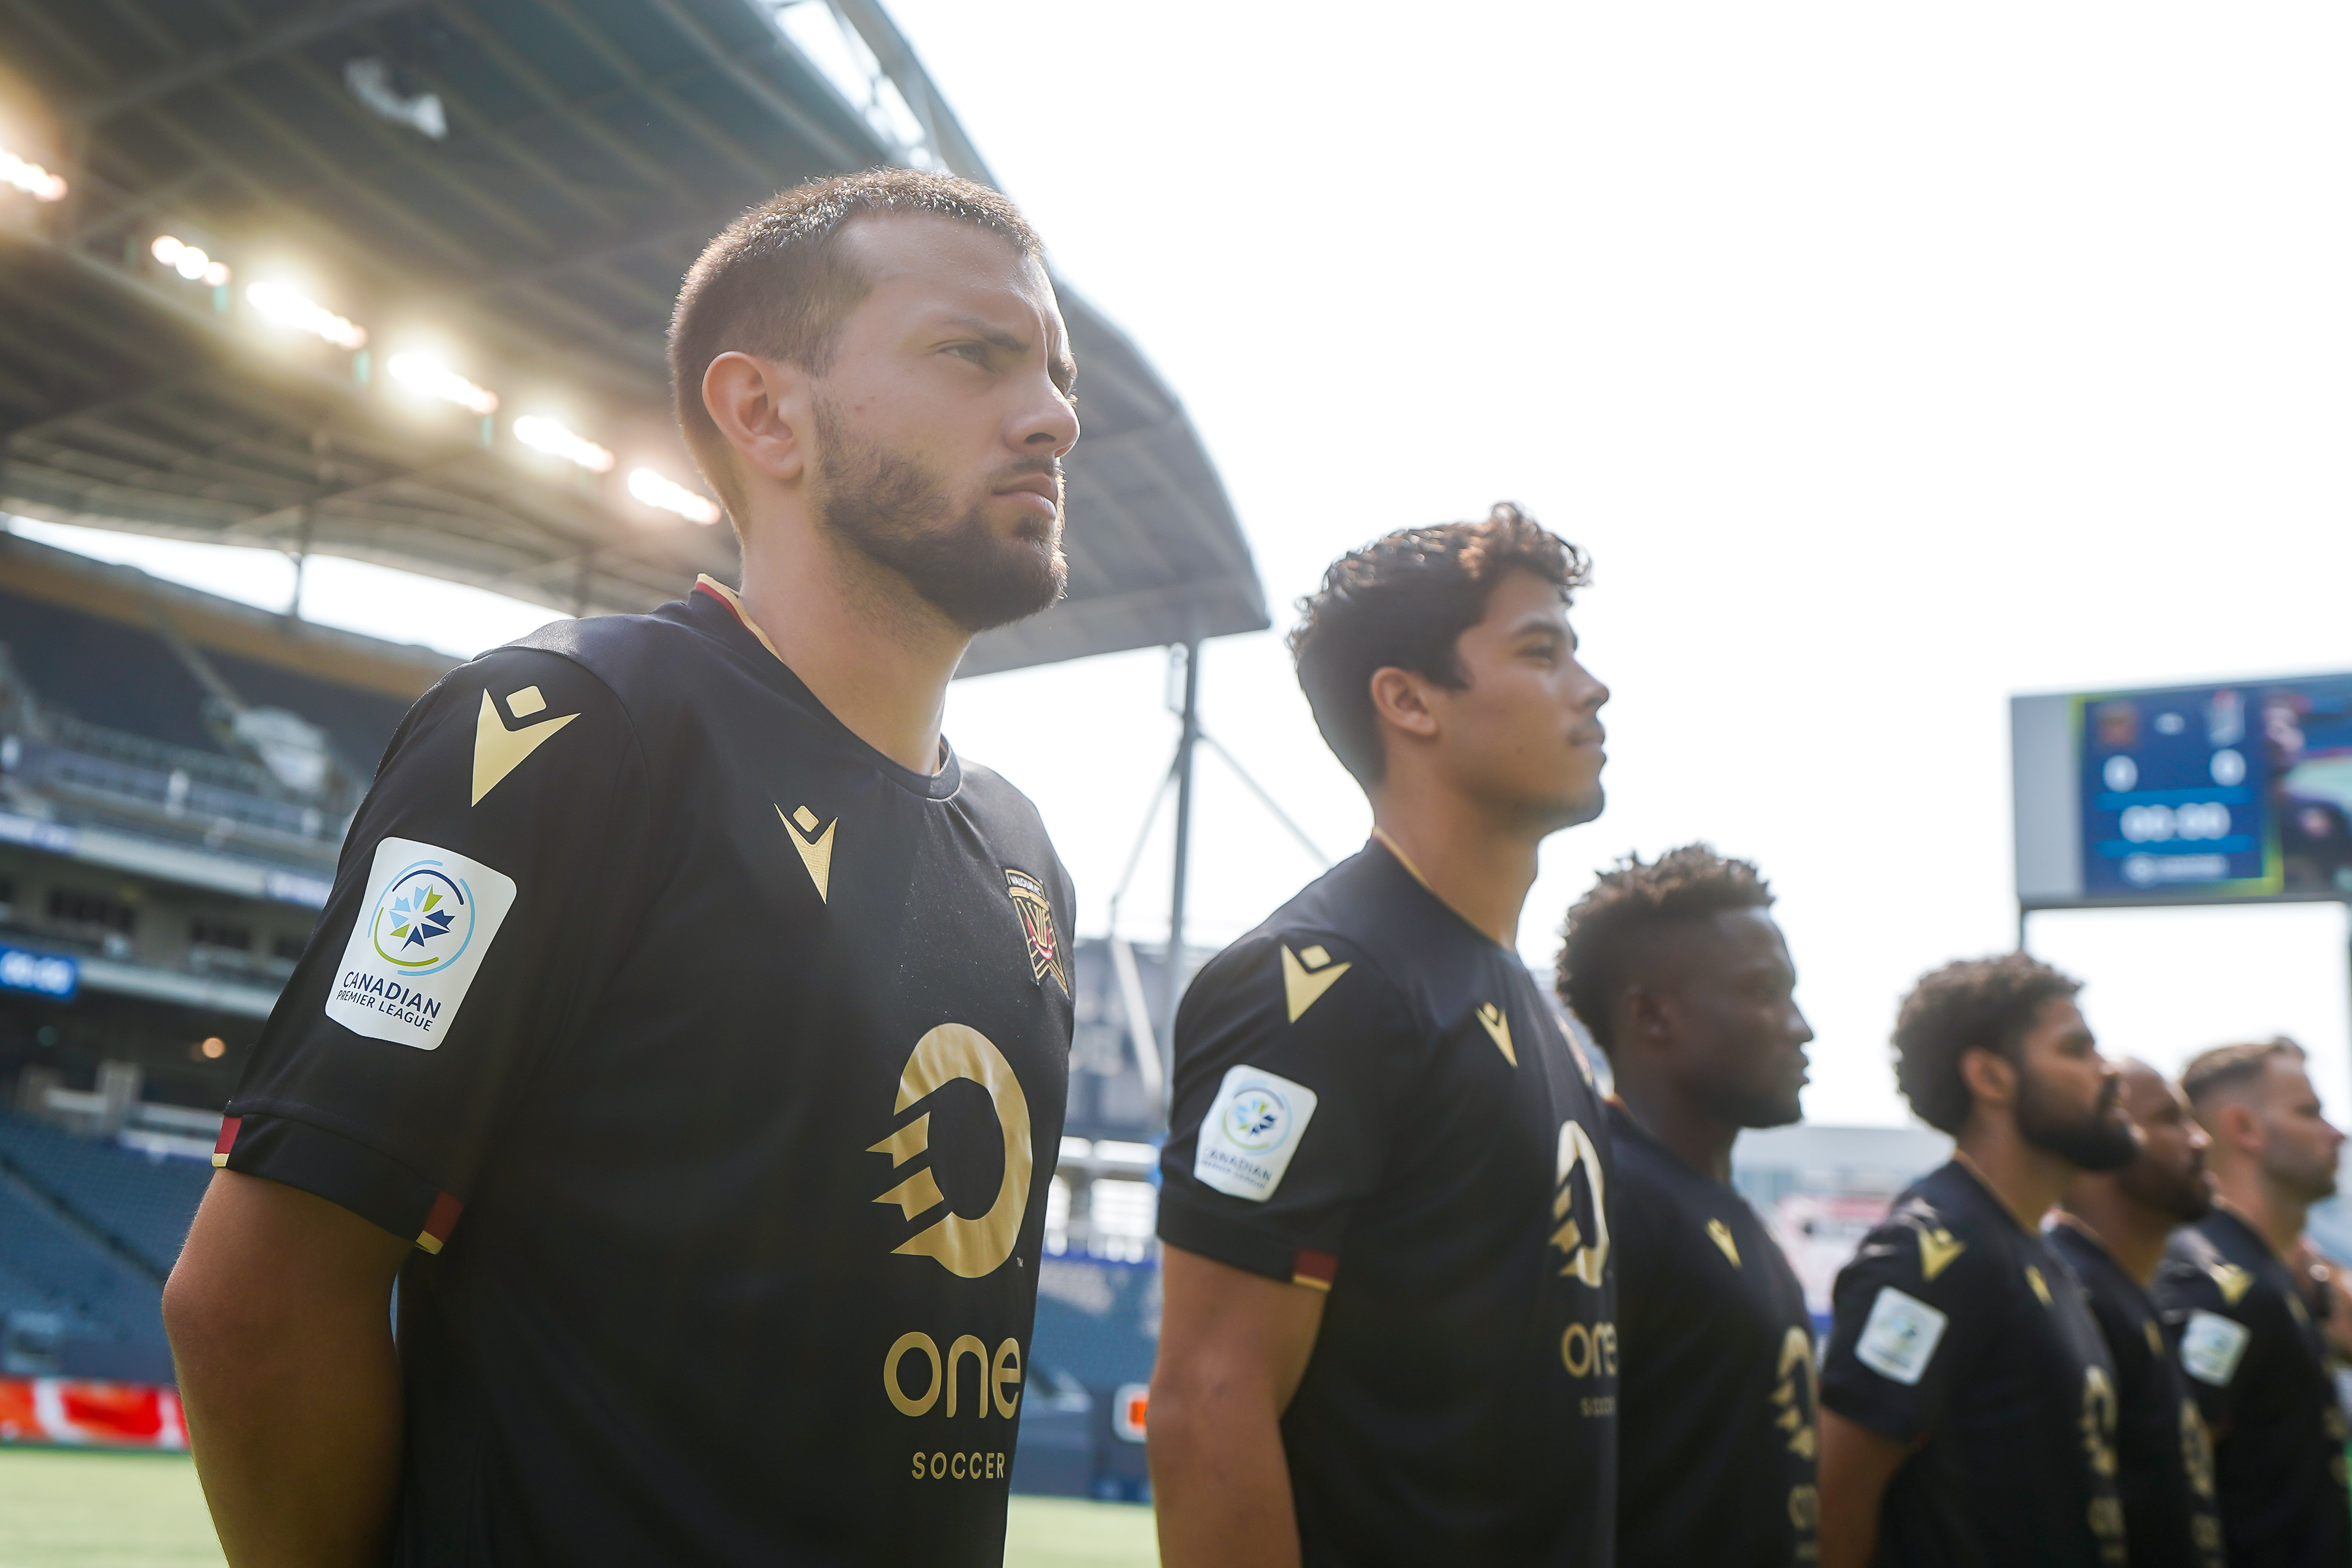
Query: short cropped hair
x=776 y=283
x=1978 y=1004
x=1633 y=899
x=2227 y=1067
x=1404 y=600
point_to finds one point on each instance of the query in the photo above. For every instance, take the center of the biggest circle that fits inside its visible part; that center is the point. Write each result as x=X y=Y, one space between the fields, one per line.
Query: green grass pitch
x=60 y=1508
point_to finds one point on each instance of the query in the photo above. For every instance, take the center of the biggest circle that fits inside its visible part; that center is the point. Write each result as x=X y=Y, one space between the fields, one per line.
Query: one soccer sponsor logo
x=994 y=1382
x=969 y=1248
x=1581 y=1203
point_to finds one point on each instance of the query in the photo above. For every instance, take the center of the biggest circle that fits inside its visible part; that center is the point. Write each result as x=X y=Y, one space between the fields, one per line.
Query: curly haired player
x=1679 y=972
x=1968 y=1399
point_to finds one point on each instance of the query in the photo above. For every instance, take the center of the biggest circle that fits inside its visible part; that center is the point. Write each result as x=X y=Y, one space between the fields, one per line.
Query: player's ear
x=1642 y=1017
x=2237 y=1127
x=765 y=410
x=1992 y=1078
x=1401 y=699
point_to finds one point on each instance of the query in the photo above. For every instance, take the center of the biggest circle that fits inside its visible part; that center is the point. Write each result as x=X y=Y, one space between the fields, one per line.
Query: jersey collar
x=940 y=786
x=1381 y=838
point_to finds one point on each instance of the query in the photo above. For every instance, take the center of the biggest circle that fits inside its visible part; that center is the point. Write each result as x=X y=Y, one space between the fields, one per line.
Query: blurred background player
x=1680 y=973
x=1968 y=1400
x=2244 y=1317
x=2112 y=1228
x=1389 y=1333
x=652 y=944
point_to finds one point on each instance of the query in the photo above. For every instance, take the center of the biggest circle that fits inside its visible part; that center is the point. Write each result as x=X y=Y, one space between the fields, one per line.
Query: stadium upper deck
x=388 y=278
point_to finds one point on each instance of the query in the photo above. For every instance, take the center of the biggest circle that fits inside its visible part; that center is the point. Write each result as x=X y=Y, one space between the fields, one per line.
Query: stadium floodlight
x=30 y=178
x=288 y=306
x=670 y=496
x=430 y=376
x=188 y=261
x=549 y=435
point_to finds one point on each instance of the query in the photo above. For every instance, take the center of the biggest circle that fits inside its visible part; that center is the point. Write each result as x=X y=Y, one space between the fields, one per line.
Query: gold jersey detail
x=1588 y=1256
x=2232 y=1281
x=2041 y=1286
x=816 y=848
x=1306 y=976
x=2155 y=1339
x=1498 y=1029
x=1795 y=1398
x=498 y=750
x=1936 y=1251
x=969 y=1248
x=1720 y=1233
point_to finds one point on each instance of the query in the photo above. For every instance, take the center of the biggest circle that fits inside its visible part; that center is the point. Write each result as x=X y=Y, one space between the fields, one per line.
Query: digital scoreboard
x=2215 y=794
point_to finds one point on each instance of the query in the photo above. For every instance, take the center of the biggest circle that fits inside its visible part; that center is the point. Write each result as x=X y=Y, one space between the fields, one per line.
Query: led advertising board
x=2218 y=794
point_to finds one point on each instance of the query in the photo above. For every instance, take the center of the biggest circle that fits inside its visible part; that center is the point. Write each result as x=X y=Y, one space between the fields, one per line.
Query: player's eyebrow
x=1061 y=367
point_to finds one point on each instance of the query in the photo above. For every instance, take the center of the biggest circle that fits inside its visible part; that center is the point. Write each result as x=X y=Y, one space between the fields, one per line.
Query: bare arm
x=1232 y=1346
x=1856 y=1465
x=279 y=1315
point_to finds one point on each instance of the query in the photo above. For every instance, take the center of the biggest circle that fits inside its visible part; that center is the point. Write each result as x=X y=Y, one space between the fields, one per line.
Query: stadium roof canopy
x=266 y=264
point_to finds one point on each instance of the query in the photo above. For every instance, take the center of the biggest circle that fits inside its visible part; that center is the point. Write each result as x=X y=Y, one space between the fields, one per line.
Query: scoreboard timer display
x=2212 y=793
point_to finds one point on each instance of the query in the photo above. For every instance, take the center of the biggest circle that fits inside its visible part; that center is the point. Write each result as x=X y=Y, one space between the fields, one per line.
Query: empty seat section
x=142 y=1204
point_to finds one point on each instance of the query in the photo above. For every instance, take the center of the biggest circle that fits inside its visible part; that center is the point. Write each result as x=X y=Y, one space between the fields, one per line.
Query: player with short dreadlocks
x=1678 y=970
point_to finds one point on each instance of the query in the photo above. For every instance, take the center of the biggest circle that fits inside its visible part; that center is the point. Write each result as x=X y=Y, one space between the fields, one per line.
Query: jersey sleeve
x=486 y=886
x=1290 y=1054
x=2203 y=1304
x=1905 y=1314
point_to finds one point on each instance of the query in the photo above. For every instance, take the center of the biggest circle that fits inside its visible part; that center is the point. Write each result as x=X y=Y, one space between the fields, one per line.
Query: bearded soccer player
x=2112 y=1229
x=1680 y=973
x=2243 y=1316
x=1968 y=1399
x=688 y=1030
x=1389 y=1333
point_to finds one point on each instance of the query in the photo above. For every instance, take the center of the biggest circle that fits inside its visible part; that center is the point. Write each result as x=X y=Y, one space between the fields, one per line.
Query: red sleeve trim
x=1314 y=1269
x=227 y=1141
x=440 y=1221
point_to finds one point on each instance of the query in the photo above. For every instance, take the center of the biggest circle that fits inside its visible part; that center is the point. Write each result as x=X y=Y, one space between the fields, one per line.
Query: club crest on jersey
x=1037 y=924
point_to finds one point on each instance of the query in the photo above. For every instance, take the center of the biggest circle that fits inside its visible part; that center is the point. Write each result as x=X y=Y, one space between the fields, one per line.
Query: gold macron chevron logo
x=1720 y=1233
x=2041 y=1286
x=1936 y=1251
x=1498 y=1029
x=816 y=852
x=498 y=750
x=1306 y=976
x=2232 y=1281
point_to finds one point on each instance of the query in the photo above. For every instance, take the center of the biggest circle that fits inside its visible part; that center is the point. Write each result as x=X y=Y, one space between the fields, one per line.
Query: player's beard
x=2098 y=1140
x=2183 y=1196
x=899 y=514
x=1757 y=1108
x=2308 y=1179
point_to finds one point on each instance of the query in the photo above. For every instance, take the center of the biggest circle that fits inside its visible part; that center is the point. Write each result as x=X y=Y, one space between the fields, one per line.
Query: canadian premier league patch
x=1037 y=924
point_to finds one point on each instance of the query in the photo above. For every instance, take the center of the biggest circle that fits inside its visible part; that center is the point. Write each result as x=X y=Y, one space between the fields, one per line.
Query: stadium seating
x=52 y=1267
x=140 y=1204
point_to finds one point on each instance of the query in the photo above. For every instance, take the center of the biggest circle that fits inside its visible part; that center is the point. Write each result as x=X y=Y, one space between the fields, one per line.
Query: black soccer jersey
x=2164 y=1459
x=2258 y=1366
x=1960 y=1330
x=1715 y=1430
x=1373 y=1098
x=718 y=1062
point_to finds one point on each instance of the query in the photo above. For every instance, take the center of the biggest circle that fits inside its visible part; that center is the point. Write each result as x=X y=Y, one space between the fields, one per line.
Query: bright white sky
x=1888 y=362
